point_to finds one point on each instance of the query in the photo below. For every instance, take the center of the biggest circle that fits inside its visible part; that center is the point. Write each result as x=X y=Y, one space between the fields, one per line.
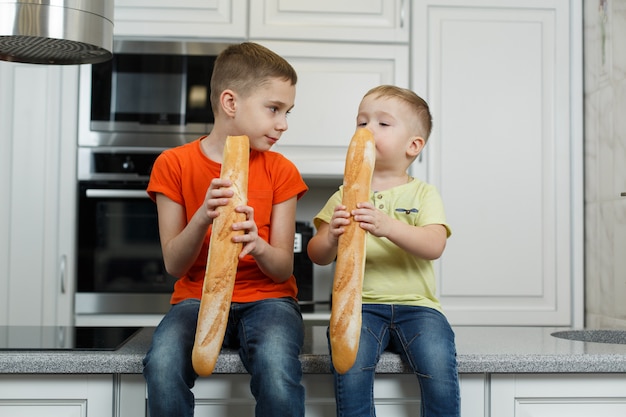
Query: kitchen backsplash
x=605 y=163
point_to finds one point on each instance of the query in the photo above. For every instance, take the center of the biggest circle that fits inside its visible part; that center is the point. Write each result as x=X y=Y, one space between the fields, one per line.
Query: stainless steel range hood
x=56 y=31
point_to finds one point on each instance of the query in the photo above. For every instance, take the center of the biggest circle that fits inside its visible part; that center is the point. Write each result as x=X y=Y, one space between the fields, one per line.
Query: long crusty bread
x=345 y=318
x=221 y=268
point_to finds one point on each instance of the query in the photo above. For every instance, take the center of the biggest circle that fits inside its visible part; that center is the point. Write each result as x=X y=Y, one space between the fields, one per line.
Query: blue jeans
x=424 y=339
x=269 y=335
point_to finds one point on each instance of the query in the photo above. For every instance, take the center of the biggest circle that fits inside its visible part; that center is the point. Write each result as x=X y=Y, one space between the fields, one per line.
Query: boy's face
x=262 y=115
x=389 y=119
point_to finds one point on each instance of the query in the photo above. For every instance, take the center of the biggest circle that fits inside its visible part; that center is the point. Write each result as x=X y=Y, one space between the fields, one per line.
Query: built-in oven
x=119 y=260
x=120 y=266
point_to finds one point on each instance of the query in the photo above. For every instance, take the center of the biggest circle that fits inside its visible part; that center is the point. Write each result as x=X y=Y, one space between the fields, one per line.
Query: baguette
x=223 y=257
x=345 y=318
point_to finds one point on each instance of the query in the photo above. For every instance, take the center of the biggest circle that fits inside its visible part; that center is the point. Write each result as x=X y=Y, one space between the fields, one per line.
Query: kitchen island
x=502 y=369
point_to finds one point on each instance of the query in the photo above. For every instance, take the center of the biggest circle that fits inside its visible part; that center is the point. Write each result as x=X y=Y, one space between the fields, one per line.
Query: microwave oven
x=150 y=94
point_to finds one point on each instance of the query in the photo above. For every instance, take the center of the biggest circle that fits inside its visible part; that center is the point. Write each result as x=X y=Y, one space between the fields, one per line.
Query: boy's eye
x=273 y=109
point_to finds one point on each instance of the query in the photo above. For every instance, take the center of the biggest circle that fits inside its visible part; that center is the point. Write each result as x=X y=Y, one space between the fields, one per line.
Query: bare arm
x=181 y=241
x=322 y=248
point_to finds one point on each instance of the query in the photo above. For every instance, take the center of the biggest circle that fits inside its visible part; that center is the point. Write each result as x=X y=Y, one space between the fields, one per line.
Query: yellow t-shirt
x=393 y=276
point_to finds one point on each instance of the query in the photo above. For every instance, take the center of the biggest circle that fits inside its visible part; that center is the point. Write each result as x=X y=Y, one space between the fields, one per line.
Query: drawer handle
x=62 y=272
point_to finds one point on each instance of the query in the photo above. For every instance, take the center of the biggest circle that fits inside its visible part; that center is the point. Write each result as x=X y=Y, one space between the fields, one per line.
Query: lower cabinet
x=482 y=395
x=229 y=395
x=223 y=395
x=571 y=395
x=56 y=395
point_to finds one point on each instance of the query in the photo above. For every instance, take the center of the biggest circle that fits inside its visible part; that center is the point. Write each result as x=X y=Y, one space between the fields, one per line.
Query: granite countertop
x=479 y=350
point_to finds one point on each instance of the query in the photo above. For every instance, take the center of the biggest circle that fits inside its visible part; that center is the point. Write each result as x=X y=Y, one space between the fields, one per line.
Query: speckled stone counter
x=480 y=350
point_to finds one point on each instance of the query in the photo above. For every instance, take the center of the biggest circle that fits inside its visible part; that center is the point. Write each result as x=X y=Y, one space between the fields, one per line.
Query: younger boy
x=252 y=91
x=407 y=231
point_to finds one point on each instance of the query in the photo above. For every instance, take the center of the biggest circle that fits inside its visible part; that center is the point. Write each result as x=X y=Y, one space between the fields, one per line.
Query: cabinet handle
x=110 y=193
x=62 y=274
x=402 y=14
x=624 y=194
x=61 y=337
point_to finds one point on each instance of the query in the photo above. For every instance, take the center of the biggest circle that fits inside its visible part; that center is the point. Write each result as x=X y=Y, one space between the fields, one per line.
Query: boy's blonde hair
x=246 y=66
x=423 y=118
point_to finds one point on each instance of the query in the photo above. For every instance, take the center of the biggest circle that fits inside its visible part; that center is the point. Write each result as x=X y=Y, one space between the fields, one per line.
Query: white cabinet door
x=224 y=19
x=473 y=395
x=56 y=395
x=346 y=20
x=332 y=79
x=394 y=395
x=580 y=395
x=500 y=77
x=38 y=108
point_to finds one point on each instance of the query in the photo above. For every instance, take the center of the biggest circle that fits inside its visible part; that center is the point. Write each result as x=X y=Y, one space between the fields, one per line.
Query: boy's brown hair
x=244 y=67
x=423 y=118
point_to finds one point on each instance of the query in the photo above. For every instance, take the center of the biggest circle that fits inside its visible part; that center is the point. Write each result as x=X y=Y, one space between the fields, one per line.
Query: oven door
x=120 y=265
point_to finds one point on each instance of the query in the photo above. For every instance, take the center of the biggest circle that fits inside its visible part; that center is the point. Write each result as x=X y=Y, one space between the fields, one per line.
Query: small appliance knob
x=128 y=165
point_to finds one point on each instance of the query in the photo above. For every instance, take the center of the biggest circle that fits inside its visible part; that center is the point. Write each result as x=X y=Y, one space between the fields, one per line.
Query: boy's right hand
x=322 y=248
x=217 y=195
x=339 y=220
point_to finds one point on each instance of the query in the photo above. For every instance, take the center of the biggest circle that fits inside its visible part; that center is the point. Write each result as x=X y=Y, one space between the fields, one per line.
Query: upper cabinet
x=332 y=79
x=218 y=19
x=340 y=49
x=331 y=20
x=504 y=82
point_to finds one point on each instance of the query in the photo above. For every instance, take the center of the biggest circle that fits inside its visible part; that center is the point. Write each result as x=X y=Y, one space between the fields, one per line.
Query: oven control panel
x=104 y=163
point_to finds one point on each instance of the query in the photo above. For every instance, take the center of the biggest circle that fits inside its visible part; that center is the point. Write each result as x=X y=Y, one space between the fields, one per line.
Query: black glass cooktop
x=64 y=337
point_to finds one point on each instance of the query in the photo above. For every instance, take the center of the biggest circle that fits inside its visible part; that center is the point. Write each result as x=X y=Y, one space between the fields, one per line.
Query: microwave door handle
x=99 y=193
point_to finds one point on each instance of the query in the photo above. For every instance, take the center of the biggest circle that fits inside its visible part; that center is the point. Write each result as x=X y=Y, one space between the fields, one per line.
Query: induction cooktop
x=64 y=337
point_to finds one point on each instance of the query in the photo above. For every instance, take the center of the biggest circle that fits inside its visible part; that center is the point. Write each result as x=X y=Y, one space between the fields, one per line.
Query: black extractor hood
x=60 y=32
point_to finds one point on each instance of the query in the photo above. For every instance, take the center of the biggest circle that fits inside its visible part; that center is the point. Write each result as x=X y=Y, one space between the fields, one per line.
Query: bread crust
x=222 y=261
x=345 y=318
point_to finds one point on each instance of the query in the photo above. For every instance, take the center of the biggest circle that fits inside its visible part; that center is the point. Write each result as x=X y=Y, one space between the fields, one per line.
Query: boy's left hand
x=251 y=235
x=371 y=219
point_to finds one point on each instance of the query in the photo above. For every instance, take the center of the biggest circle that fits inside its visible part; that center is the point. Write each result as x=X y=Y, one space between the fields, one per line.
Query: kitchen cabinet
x=56 y=395
x=229 y=395
x=504 y=82
x=371 y=21
x=221 y=19
x=332 y=79
x=38 y=108
x=558 y=395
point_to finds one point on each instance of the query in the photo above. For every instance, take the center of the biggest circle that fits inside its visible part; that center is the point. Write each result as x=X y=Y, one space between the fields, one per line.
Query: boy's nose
x=282 y=125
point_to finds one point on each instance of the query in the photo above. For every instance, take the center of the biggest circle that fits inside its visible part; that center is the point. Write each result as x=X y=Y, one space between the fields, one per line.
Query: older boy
x=252 y=91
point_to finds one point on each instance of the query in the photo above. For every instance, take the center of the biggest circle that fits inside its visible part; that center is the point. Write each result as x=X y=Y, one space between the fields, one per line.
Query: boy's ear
x=415 y=146
x=228 y=102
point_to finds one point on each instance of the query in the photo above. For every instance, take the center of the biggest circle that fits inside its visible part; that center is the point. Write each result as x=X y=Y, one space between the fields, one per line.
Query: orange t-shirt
x=183 y=174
